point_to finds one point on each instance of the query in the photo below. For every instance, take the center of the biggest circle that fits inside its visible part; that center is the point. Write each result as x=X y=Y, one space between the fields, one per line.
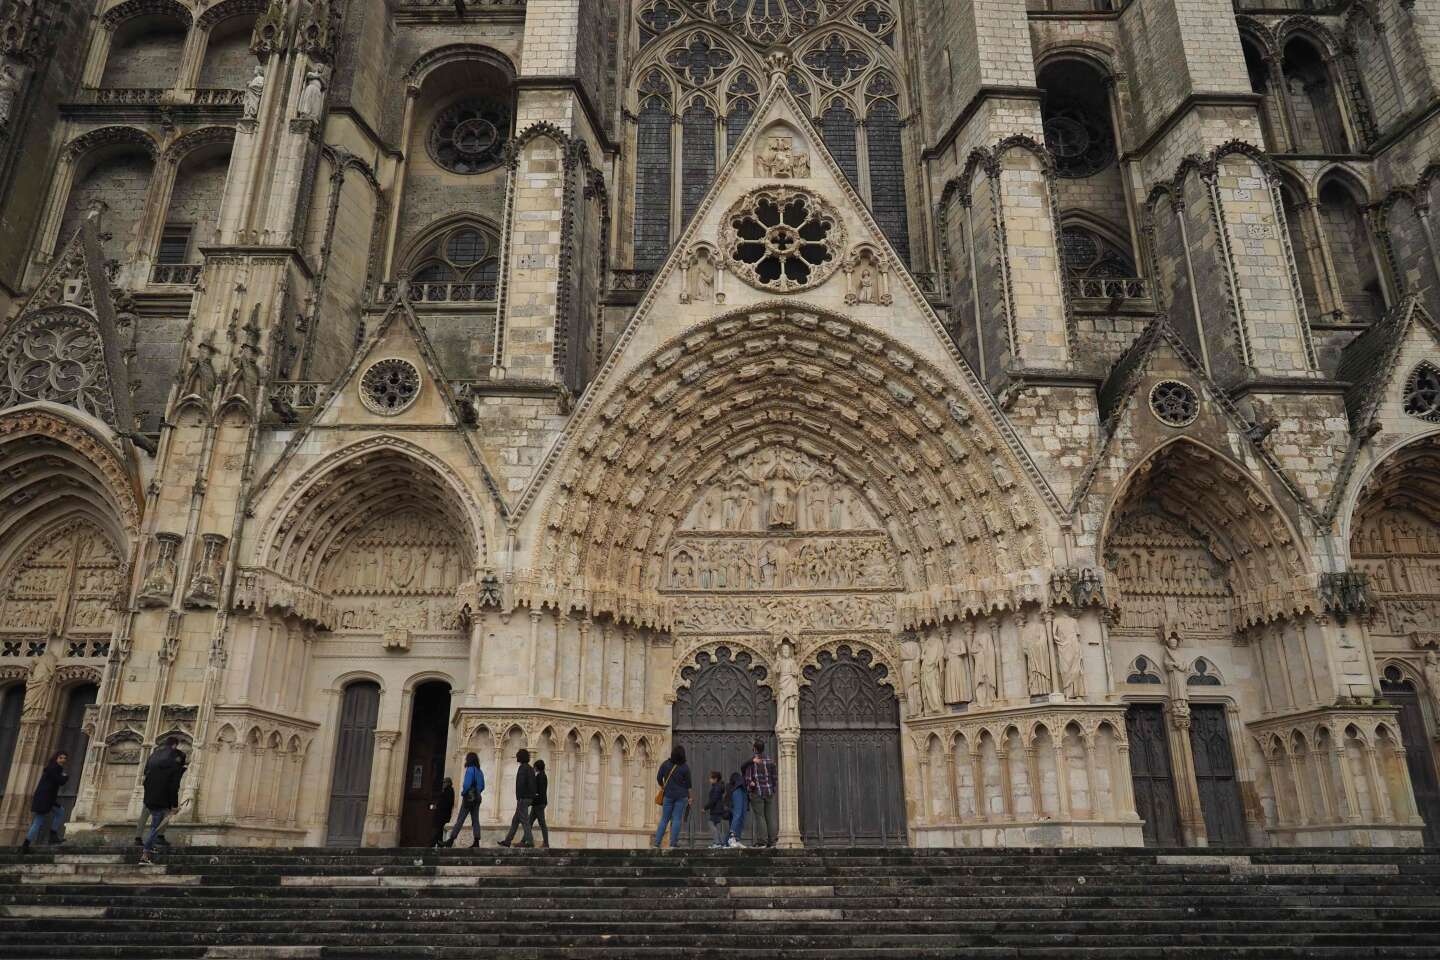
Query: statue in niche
x=957 y=672
x=1432 y=678
x=10 y=84
x=932 y=672
x=1071 y=655
x=910 y=673
x=312 y=98
x=983 y=639
x=819 y=498
x=1035 y=641
x=36 y=708
x=254 y=90
x=1175 y=669
x=787 y=678
x=701 y=278
x=780 y=159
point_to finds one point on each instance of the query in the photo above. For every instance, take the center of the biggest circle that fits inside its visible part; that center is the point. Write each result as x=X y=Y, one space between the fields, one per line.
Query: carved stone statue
x=9 y=89
x=780 y=159
x=910 y=673
x=1174 y=665
x=1071 y=654
x=38 y=685
x=1035 y=641
x=782 y=496
x=932 y=672
x=957 y=671
x=1432 y=678
x=312 y=98
x=787 y=678
x=982 y=653
x=254 y=90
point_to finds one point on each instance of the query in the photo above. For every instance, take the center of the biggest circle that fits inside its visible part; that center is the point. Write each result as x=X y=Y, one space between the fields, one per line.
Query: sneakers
x=145 y=857
x=735 y=844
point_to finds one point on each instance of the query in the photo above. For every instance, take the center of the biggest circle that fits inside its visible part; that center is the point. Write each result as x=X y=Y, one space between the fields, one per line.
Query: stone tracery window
x=1422 y=393
x=389 y=386
x=465 y=254
x=1078 y=137
x=843 y=74
x=469 y=136
x=1087 y=254
x=56 y=357
x=1174 y=403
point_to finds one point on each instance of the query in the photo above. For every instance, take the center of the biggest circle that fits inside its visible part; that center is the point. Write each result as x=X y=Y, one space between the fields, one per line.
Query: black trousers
x=521 y=819
x=537 y=812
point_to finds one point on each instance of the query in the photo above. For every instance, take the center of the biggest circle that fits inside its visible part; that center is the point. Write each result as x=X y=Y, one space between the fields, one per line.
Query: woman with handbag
x=470 y=789
x=673 y=796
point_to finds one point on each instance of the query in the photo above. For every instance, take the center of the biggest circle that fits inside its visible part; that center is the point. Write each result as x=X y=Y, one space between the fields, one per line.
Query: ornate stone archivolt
x=1236 y=536
x=43 y=451
x=790 y=388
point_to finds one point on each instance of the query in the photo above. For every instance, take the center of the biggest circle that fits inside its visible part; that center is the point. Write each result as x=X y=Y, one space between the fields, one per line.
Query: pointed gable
x=65 y=346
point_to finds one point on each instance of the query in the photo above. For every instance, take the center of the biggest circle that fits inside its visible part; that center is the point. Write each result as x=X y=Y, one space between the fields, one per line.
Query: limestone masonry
x=1024 y=417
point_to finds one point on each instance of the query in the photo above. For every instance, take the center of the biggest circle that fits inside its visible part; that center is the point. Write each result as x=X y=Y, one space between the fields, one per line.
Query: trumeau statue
x=38 y=687
x=788 y=694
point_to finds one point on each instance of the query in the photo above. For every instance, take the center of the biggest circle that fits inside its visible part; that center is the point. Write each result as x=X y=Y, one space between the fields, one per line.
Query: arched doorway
x=73 y=740
x=723 y=709
x=425 y=761
x=11 y=703
x=1400 y=690
x=354 y=751
x=851 y=779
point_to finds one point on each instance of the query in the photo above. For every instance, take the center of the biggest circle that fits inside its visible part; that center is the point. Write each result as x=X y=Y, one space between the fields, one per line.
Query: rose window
x=1422 y=393
x=1174 y=403
x=389 y=386
x=470 y=136
x=1079 y=141
x=783 y=239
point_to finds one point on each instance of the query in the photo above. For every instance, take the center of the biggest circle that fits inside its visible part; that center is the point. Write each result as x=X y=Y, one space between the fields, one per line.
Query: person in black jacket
x=162 y=794
x=524 y=795
x=172 y=746
x=719 y=809
x=440 y=809
x=540 y=801
x=674 y=779
x=45 y=805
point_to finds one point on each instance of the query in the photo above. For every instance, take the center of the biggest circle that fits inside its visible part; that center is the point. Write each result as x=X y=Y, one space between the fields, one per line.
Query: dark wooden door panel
x=1152 y=775
x=354 y=753
x=1215 y=774
x=425 y=763
x=1418 y=757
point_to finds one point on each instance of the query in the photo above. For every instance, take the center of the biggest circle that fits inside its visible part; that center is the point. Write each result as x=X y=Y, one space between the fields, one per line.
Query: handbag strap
x=673 y=767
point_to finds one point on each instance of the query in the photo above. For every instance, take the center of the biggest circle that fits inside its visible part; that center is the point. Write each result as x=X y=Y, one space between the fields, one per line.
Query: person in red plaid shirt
x=763 y=784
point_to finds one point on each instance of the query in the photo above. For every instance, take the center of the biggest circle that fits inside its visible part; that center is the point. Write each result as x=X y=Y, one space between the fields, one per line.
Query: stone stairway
x=843 y=903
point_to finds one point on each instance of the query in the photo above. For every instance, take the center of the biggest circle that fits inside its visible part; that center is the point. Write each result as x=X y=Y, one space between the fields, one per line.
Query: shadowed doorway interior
x=425 y=761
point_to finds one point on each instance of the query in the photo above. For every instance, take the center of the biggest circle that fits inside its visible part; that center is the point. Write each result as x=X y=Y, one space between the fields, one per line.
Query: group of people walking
x=753 y=789
x=532 y=796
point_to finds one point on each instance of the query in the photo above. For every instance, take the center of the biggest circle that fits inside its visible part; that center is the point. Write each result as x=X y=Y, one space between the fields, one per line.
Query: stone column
x=789 y=772
x=1187 y=791
x=378 y=819
x=477 y=647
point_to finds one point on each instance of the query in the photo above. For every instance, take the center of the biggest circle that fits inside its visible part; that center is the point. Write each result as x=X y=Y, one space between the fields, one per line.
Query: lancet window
x=698 y=82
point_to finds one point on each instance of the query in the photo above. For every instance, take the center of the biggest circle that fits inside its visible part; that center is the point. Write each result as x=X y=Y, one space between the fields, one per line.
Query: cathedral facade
x=1022 y=415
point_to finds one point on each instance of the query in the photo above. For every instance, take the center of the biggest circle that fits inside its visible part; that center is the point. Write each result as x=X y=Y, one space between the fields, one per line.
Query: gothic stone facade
x=1023 y=415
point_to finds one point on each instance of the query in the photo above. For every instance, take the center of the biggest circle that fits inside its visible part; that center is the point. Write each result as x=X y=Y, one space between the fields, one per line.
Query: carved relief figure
x=1071 y=655
x=910 y=674
x=700 y=280
x=1035 y=641
x=788 y=690
x=779 y=158
x=781 y=488
x=982 y=650
x=254 y=90
x=932 y=671
x=957 y=671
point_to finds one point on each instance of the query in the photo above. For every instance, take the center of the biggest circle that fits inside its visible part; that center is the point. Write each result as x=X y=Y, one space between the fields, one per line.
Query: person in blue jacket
x=674 y=780
x=470 y=789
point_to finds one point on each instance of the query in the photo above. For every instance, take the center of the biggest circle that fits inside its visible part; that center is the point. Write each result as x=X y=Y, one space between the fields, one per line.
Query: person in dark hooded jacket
x=45 y=805
x=162 y=794
x=441 y=806
x=172 y=746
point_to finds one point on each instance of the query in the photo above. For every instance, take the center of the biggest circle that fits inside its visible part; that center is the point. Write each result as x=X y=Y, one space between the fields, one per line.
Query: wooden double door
x=850 y=785
x=1153 y=777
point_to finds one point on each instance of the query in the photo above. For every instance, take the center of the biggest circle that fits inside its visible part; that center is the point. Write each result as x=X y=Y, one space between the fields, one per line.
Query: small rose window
x=783 y=239
x=469 y=136
x=1422 y=393
x=1174 y=403
x=390 y=386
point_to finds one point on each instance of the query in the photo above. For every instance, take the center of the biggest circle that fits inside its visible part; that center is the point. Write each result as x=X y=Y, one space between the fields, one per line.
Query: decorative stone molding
x=204 y=587
x=260 y=590
x=158 y=586
x=121 y=488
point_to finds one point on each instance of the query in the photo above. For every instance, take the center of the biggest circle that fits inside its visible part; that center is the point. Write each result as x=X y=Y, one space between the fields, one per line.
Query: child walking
x=718 y=809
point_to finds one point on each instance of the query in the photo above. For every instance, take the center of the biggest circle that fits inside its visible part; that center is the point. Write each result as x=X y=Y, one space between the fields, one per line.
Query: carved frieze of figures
x=780 y=157
x=1166 y=575
x=414 y=614
x=867 y=277
x=781 y=563
x=702 y=275
x=159 y=583
x=785 y=613
x=1417 y=618
x=75 y=566
x=779 y=489
x=406 y=555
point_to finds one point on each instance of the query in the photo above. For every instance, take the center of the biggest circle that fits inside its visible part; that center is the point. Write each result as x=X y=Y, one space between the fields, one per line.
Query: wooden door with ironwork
x=354 y=753
x=1152 y=775
x=852 y=790
x=1215 y=774
x=1400 y=690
